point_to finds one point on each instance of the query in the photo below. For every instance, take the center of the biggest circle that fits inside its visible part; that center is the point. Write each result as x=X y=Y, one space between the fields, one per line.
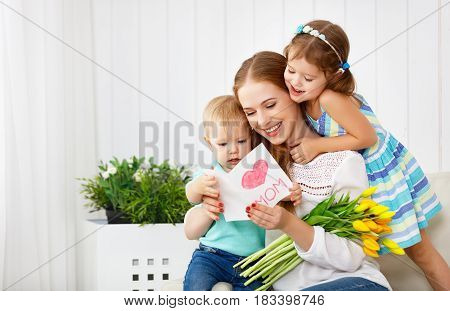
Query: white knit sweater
x=330 y=257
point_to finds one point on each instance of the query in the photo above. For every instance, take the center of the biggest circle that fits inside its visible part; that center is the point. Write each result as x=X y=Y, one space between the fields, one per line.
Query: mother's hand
x=213 y=207
x=279 y=218
x=268 y=217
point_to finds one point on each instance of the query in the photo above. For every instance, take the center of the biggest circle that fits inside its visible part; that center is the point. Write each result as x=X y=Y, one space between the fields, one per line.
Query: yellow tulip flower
x=370 y=252
x=361 y=207
x=386 y=229
x=378 y=229
x=383 y=221
x=360 y=226
x=389 y=243
x=368 y=192
x=397 y=251
x=379 y=209
x=371 y=224
x=369 y=236
x=369 y=202
x=386 y=215
x=371 y=244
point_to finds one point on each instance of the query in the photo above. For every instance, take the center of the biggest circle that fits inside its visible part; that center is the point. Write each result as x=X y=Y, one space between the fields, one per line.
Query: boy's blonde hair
x=223 y=111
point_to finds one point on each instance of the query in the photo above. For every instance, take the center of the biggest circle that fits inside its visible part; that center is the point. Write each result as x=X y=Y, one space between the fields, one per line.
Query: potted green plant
x=137 y=191
x=148 y=247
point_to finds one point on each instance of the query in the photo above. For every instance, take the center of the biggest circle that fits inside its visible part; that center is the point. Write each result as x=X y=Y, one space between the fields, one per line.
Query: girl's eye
x=222 y=144
x=308 y=80
x=291 y=70
x=242 y=141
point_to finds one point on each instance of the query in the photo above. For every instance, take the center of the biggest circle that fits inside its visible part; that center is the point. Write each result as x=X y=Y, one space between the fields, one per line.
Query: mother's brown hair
x=263 y=66
x=269 y=67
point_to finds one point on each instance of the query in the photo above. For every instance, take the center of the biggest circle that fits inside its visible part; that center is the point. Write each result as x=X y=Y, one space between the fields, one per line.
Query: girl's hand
x=296 y=194
x=307 y=150
x=207 y=186
x=268 y=217
x=212 y=207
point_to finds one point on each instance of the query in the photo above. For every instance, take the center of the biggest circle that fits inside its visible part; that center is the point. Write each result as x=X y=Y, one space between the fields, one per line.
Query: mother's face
x=270 y=110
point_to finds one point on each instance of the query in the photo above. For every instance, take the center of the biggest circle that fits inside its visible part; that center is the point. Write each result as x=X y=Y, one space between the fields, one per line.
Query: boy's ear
x=207 y=141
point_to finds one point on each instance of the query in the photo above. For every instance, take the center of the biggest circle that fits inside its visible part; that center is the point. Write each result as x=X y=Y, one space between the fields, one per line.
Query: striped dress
x=401 y=183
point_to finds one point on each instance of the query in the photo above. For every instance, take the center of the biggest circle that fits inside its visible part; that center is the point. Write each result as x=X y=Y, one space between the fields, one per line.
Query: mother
x=330 y=262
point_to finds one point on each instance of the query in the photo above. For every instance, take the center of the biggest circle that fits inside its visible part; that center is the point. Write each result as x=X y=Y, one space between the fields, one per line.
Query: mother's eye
x=249 y=113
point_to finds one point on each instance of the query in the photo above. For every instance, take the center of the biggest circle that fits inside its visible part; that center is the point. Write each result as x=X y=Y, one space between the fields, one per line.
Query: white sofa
x=401 y=272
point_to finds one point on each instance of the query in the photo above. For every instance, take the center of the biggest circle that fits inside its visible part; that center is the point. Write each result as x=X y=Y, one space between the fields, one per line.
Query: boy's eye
x=290 y=70
x=222 y=144
x=308 y=80
x=242 y=141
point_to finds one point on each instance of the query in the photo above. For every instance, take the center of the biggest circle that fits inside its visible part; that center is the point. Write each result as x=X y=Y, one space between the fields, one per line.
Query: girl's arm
x=360 y=133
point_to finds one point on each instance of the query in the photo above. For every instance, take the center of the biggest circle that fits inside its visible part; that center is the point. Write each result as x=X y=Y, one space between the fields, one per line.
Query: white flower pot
x=130 y=257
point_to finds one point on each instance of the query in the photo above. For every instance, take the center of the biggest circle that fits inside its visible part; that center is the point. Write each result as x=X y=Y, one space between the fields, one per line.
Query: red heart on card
x=255 y=177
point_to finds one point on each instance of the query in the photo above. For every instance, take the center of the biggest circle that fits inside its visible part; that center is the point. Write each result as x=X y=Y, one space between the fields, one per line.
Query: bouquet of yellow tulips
x=361 y=220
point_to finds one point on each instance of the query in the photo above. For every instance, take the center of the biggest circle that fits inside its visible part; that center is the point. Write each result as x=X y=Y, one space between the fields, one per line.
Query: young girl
x=318 y=76
x=222 y=244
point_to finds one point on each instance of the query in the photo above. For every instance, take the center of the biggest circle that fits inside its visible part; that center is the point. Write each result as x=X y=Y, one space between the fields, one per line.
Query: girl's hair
x=224 y=111
x=320 y=54
x=266 y=67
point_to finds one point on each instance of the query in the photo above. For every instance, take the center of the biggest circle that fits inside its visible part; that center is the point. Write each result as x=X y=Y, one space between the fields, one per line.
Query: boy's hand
x=207 y=185
x=212 y=207
x=296 y=194
x=306 y=151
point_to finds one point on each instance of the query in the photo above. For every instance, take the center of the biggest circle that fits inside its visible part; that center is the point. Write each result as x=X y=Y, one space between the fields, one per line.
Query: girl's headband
x=313 y=32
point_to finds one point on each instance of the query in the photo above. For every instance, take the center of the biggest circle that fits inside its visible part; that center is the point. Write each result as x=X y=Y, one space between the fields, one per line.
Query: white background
x=183 y=53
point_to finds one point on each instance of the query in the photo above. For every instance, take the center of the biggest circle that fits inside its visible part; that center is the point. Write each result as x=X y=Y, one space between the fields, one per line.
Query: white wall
x=184 y=52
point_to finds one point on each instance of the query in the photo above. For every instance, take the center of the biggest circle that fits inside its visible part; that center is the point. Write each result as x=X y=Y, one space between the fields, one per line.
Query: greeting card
x=256 y=178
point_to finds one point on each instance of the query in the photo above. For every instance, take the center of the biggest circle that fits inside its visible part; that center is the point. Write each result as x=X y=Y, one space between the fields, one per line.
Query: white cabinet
x=132 y=257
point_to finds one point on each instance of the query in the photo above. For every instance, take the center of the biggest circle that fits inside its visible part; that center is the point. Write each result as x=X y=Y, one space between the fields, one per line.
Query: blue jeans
x=211 y=265
x=347 y=284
